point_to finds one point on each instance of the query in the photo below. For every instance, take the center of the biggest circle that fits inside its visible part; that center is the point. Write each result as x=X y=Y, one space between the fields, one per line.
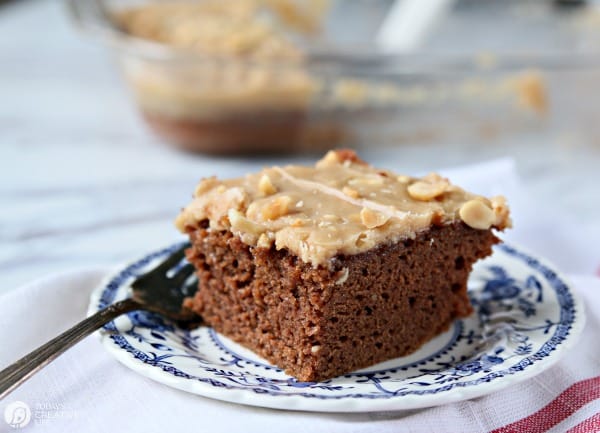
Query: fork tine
x=173 y=259
x=190 y=287
x=182 y=275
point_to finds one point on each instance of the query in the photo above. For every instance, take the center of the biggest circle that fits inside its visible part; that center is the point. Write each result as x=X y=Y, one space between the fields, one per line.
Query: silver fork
x=154 y=291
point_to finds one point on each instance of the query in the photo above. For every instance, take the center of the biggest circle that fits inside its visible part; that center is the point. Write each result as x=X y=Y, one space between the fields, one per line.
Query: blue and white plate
x=526 y=317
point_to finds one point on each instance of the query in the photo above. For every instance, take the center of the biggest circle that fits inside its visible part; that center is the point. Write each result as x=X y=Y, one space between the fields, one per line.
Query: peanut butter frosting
x=341 y=206
x=258 y=38
x=261 y=41
x=257 y=29
x=263 y=44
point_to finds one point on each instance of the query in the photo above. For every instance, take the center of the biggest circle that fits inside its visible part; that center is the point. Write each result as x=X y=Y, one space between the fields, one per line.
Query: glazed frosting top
x=340 y=206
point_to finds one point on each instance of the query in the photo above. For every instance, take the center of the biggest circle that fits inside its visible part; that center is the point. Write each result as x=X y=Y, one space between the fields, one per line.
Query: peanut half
x=425 y=191
x=372 y=219
x=477 y=214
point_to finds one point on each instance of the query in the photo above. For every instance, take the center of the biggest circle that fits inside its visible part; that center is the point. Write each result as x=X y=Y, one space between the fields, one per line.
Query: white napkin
x=87 y=390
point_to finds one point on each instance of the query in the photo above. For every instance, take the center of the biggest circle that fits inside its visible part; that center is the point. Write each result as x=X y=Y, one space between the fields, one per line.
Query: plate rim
x=344 y=404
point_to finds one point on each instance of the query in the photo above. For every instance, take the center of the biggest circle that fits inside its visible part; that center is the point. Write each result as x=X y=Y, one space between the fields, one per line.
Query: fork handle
x=17 y=373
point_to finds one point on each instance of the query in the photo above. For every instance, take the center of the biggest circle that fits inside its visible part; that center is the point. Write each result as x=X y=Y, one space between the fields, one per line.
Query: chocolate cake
x=327 y=269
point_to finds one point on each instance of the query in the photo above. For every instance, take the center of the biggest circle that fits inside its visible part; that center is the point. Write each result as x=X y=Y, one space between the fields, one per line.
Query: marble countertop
x=83 y=183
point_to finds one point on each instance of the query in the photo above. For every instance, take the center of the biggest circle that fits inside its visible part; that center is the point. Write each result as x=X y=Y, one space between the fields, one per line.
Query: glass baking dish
x=480 y=71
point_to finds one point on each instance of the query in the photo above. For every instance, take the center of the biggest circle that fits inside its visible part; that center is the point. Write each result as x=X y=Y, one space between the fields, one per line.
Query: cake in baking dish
x=327 y=269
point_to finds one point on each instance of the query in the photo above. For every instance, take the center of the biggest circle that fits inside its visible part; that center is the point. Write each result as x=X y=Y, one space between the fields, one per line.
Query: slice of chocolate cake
x=327 y=269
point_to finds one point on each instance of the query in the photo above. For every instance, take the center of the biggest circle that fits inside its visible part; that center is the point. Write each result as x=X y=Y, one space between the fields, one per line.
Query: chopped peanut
x=350 y=192
x=372 y=219
x=265 y=186
x=277 y=208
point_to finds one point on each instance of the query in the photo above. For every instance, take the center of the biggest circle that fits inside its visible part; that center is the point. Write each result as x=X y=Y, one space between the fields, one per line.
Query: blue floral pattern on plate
x=525 y=317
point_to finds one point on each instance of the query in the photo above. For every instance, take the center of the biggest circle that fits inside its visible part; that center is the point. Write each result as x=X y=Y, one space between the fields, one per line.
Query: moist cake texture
x=327 y=269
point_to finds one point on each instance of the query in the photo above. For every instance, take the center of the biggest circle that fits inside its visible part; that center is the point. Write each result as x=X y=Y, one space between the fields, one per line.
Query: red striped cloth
x=563 y=406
